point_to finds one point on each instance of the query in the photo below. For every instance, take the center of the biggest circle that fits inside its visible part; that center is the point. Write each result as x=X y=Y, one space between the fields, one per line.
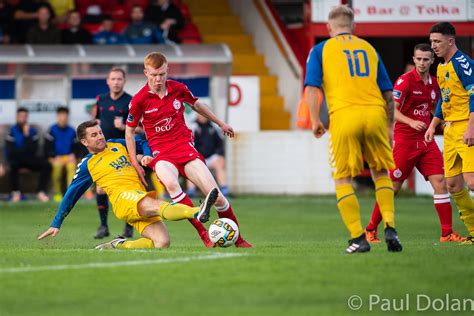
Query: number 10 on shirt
x=354 y=60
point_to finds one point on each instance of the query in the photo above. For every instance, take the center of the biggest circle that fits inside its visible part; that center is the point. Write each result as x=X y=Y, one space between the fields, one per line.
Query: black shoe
x=391 y=238
x=358 y=244
x=203 y=214
x=127 y=231
x=102 y=231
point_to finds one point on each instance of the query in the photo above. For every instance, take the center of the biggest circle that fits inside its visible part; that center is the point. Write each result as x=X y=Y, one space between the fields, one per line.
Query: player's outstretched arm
x=51 y=231
x=207 y=113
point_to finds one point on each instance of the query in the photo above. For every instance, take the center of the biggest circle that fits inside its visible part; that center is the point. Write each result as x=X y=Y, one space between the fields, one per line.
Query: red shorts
x=408 y=154
x=178 y=155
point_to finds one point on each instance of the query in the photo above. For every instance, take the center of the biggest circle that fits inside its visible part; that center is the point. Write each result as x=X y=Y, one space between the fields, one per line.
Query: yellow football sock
x=349 y=209
x=465 y=207
x=141 y=243
x=176 y=211
x=385 y=198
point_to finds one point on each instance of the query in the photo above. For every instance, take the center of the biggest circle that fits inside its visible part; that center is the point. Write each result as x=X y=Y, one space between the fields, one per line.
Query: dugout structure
x=42 y=77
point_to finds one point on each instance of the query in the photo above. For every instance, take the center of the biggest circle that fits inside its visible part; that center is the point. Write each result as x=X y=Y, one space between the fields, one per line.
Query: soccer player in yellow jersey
x=456 y=107
x=109 y=166
x=359 y=98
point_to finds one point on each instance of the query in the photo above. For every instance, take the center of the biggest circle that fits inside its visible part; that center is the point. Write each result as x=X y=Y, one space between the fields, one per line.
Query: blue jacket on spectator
x=109 y=38
x=143 y=33
x=60 y=141
x=17 y=145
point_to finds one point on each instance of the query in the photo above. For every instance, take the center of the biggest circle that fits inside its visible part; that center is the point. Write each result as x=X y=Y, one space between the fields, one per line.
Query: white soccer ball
x=223 y=232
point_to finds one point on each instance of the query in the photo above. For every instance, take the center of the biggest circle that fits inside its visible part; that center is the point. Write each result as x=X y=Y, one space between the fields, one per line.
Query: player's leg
x=155 y=235
x=443 y=207
x=469 y=216
x=346 y=161
x=199 y=174
x=103 y=209
x=169 y=176
x=379 y=156
x=371 y=231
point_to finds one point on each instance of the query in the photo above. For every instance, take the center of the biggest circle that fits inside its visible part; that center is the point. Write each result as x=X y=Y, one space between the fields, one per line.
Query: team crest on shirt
x=114 y=149
x=176 y=104
x=397 y=173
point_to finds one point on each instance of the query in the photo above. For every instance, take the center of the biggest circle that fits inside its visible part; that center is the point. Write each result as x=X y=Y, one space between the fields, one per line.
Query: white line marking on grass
x=99 y=265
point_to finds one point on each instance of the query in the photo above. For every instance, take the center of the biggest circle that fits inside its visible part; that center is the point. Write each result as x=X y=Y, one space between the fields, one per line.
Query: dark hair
x=62 y=109
x=22 y=109
x=424 y=47
x=444 y=28
x=81 y=129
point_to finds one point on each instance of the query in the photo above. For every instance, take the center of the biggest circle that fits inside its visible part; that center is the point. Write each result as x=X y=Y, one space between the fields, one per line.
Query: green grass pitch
x=296 y=268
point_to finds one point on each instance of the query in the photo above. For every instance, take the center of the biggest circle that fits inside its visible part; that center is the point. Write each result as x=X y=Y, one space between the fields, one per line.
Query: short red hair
x=155 y=60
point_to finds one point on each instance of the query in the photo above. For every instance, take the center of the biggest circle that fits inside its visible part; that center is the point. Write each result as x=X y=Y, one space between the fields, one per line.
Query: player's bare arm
x=314 y=100
x=132 y=151
x=415 y=124
x=207 y=113
x=429 y=135
x=468 y=137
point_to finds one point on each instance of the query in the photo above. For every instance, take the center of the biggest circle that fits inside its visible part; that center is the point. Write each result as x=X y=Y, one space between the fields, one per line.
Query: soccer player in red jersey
x=415 y=93
x=159 y=106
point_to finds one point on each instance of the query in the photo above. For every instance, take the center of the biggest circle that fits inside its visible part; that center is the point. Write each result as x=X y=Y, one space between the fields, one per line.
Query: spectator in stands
x=75 y=34
x=61 y=9
x=25 y=16
x=22 y=151
x=44 y=32
x=60 y=146
x=139 y=31
x=209 y=143
x=107 y=35
x=6 y=21
x=167 y=17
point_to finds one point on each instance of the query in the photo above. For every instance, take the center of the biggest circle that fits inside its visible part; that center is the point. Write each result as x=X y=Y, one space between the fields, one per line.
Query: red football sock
x=442 y=204
x=184 y=199
x=227 y=212
x=375 y=219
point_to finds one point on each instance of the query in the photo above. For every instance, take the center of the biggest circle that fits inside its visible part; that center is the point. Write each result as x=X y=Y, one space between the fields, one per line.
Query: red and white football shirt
x=162 y=118
x=416 y=99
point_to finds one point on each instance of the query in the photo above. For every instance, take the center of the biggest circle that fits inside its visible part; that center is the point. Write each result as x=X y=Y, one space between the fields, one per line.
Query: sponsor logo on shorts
x=130 y=118
x=397 y=94
x=176 y=104
x=164 y=125
x=397 y=173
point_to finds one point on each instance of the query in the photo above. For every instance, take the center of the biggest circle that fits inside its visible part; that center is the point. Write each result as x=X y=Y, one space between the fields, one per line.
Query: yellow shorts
x=358 y=133
x=125 y=208
x=458 y=157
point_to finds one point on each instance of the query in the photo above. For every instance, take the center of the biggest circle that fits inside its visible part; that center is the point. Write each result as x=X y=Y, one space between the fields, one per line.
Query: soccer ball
x=223 y=232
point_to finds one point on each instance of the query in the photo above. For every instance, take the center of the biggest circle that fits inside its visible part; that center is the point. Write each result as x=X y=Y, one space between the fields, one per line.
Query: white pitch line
x=99 y=265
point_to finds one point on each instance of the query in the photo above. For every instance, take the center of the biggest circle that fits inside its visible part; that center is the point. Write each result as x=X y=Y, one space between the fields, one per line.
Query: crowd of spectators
x=87 y=21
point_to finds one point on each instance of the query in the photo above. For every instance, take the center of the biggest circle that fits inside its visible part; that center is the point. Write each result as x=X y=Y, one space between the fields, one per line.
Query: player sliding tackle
x=108 y=165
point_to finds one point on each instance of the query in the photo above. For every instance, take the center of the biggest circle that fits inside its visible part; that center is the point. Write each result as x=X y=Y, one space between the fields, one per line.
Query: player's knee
x=162 y=243
x=172 y=186
x=454 y=187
